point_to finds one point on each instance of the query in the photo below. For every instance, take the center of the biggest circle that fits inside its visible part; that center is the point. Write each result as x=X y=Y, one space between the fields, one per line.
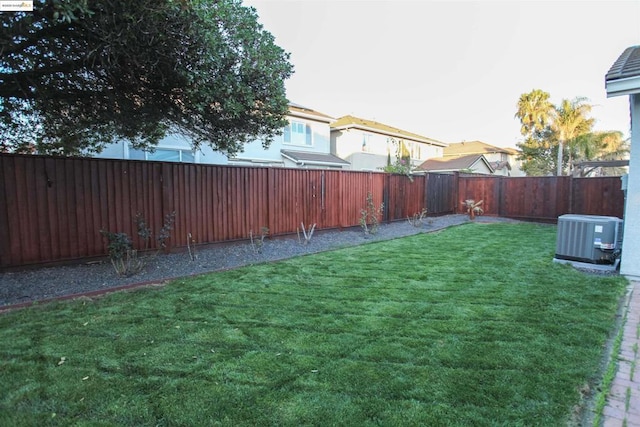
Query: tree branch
x=32 y=37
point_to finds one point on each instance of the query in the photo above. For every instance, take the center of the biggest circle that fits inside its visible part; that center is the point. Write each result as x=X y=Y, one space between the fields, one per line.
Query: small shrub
x=165 y=231
x=402 y=167
x=258 y=243
x=369 y=221
x=473 y=207
x=143 y=230
x=123 y=257
x=417 y=220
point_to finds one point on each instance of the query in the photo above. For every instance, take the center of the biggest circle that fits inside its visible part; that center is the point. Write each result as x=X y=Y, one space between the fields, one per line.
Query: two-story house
x=303 y=143
x=503 y=161
x=370 y=145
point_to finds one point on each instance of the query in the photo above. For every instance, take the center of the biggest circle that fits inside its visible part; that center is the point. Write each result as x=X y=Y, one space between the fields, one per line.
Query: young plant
x=191 y=247
x=417 y=220
x=145 y=233
x=143 y=230
x=473 y=208
x=258 y=243
x=123 y=257
x=307 y=233
x=165 y=231
x=369 y=216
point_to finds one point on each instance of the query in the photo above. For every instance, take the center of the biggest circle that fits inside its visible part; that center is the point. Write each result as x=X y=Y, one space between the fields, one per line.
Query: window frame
x=146 y=154
x=307 y=135
x=366 y=142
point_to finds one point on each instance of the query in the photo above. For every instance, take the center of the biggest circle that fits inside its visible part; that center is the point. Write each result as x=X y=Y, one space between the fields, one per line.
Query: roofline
x=313 y=162
x=254 y=160
x=604 y=163
x=394 y=134
x=624 y=86
x=486 y=162
x=470 y=153
x=310 y=116
x=480 y=157
x=494 y=149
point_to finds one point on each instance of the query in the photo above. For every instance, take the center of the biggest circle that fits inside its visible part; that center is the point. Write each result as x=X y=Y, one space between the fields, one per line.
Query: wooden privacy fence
x=544 y=198
x=52 y=209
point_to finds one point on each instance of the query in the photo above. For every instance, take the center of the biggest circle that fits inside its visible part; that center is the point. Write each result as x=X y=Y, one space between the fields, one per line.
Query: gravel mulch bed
x=58 y=282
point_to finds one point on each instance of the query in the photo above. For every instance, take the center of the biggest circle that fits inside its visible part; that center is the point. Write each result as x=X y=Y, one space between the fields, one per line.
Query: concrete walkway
x=623 y=402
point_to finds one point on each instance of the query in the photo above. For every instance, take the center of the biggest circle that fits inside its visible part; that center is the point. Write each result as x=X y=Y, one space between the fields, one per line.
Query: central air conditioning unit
x=589 y=238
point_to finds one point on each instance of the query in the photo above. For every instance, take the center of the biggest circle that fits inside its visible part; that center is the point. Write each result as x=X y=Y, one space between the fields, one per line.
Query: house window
x=297 y=133
x=163 y=155
x=366 y=142
x=414 y=147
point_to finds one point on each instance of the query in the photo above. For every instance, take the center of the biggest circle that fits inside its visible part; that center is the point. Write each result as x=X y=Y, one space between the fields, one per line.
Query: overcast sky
x=451 y=70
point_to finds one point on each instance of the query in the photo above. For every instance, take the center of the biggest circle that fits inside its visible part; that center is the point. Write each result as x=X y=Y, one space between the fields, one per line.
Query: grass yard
x=473 y=325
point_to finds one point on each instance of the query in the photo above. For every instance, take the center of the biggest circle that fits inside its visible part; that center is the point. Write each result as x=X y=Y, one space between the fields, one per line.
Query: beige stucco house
x=368 y=145
x=504 y=161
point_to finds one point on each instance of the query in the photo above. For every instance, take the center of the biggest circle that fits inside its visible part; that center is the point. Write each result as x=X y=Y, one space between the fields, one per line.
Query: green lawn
x=473 y=325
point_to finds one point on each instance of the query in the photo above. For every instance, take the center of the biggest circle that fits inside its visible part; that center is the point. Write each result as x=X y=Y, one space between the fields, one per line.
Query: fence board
x=53 y=208
x=5 y=236
x=534 y=197
x=440 y=193
x=14 y=220
x=602 y=195
x=404 y=197
x=485 y=188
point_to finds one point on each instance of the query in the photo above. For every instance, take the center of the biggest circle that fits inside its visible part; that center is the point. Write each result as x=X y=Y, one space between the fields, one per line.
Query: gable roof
x=455 y=163
x=298 y=110
x=500 y=165
x=352 y=122
x=311 y=158
x=623 y=78
x=474 y=147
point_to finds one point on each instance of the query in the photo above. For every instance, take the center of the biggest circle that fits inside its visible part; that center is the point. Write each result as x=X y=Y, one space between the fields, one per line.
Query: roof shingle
x=346 y=122
x=454 y=163
x=314 y=158
x=627 y=65
x=474 y=147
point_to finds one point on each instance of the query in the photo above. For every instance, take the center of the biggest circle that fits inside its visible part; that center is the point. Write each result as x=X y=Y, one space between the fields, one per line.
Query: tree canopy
x=76 y=75
x=548 y=129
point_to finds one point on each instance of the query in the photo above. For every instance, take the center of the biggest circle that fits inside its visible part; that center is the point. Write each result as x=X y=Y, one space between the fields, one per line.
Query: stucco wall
x=630 y=262
x=349 y=145
x=252 y=151
x=320 y=143
x=120 y=150
x=481 y=167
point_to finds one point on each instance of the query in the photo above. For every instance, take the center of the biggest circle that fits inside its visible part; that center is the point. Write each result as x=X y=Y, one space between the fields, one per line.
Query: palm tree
x=570 y=120
x=608 y=145
x=534 y=111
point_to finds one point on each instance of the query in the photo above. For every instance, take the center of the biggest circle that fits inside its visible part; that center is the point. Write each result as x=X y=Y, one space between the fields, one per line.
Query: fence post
x=456 y=191
x=425 y=193
x=571 y=196
x=385 y=197
x=500 y=195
